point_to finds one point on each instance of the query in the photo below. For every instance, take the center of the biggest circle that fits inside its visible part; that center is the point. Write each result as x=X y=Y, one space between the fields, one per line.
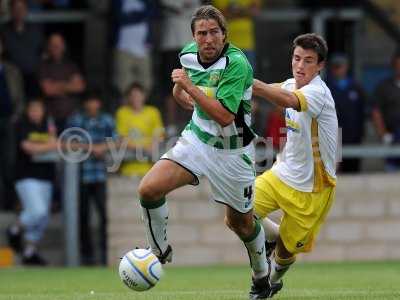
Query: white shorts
x=231 y=173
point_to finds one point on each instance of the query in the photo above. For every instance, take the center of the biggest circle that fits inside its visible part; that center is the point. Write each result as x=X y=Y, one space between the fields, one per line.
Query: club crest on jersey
x=214 y=78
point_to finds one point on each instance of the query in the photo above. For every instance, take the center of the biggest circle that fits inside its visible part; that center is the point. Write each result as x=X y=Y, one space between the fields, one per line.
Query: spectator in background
x=350 y=102
x=386 y=111
x=99 y=126
x=61 y=81
x=174 y=35
x=35 y=135
x=23 y=43
x=240 y=14
x=142 y=125
x=11 y=105
x=132 y=50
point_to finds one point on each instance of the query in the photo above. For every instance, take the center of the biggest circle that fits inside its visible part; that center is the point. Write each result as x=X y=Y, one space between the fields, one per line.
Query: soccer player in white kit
x=302 y=182
x=217 y=143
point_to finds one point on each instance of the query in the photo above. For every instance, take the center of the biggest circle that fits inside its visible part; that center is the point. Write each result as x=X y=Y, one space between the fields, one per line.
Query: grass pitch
x=303 y=281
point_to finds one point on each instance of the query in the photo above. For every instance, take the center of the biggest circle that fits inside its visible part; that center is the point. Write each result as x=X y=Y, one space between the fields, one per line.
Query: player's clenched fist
x=180 y=77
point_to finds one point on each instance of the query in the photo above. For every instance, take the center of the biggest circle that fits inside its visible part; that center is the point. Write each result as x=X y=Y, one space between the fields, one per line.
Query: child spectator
x=35 y=135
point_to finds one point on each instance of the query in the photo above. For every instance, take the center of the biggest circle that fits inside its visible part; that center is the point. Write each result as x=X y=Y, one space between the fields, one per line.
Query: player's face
x=209 y=38
x=305 y=65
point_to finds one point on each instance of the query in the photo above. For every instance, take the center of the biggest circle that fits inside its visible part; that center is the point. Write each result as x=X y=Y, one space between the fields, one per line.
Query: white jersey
x=308 y=160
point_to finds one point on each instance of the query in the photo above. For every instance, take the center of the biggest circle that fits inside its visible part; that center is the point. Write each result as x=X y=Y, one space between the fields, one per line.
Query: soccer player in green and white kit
x=217 y=80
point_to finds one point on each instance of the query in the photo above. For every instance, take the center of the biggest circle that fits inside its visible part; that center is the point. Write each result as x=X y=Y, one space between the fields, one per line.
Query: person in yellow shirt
x=239 y=14
x=143 y=127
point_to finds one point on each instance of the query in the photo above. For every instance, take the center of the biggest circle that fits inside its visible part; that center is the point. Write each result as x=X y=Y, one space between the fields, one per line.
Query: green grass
x=304 y=281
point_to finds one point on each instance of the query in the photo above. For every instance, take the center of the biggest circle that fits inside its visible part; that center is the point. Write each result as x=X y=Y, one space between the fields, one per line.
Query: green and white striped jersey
x=229 y=80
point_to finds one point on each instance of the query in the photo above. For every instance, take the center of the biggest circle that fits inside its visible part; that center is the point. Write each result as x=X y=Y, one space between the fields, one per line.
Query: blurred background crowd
x=104 y=66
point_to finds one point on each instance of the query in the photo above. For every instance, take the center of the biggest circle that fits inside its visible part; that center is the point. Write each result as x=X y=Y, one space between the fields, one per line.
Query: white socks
x=256 y=249
x=279 y=267
x=155 y=216
x=271 y=230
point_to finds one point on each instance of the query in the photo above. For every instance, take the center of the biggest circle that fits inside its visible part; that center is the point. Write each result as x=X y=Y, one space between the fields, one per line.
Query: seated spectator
x=23 y=43
x=350 y=107
x=35 y=135
x=11 y=105
x=386 y=111
x=142 y=126
x=61 y=81
x=99 y=126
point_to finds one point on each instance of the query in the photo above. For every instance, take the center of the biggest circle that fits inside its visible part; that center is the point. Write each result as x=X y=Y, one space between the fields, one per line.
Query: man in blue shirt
x=98 y=126
x=350 y=107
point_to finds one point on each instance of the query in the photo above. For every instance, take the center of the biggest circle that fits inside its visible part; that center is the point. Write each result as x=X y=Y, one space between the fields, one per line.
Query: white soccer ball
x=140 y=269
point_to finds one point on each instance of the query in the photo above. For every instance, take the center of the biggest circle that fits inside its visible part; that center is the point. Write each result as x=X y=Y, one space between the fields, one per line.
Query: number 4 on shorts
x=248 y=192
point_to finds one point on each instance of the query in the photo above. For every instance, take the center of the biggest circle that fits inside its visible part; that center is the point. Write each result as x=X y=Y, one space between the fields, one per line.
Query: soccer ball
x=140 y=269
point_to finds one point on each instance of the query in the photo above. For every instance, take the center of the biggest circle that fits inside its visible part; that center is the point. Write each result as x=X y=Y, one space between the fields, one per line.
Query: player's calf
x=155 y=216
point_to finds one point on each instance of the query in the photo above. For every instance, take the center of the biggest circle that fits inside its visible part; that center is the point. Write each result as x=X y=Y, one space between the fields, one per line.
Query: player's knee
x=244 y=230
x=241 y=227
x=148 y=192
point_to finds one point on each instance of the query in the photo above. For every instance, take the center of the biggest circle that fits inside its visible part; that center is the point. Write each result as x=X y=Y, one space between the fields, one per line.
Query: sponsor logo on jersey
x=291 y=124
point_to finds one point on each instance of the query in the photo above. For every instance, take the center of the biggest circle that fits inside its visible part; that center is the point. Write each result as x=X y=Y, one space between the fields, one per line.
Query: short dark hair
x=92 y=94
x=35 y=100
x=134 y=86
x=312 y=41
x=209 y=12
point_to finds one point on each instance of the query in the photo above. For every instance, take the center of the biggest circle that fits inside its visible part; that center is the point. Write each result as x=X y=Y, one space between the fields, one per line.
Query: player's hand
x=189 y=103
x=186 y=102
x=180 y=78
x=183 y=98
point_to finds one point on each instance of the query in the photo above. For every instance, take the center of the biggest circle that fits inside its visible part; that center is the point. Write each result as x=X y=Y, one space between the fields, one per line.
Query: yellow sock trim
x=284 y=261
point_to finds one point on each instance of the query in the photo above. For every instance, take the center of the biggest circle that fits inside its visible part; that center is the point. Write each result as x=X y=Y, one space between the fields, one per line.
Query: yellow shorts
x=303 y=213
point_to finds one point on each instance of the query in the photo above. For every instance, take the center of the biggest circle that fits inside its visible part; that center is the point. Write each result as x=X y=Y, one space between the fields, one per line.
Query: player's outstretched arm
x=275 y=94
